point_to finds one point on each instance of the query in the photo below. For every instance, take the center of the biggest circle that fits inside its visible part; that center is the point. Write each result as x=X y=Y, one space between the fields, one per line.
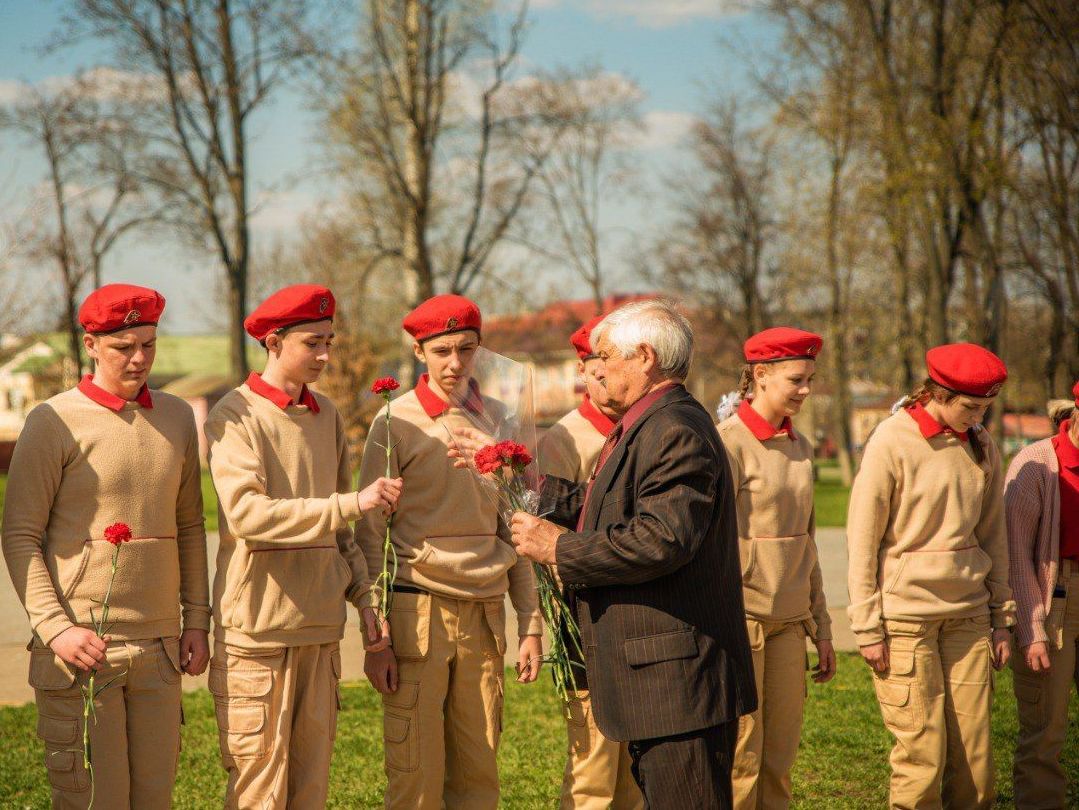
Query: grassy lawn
x=831 y=498
x=843 y=761
x=829 y=495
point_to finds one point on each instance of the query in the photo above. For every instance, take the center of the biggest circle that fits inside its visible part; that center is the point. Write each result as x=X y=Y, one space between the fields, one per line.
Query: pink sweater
x=1032 y=511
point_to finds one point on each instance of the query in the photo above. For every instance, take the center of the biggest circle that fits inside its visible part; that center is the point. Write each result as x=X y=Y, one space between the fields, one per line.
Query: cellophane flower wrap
x=499 y=403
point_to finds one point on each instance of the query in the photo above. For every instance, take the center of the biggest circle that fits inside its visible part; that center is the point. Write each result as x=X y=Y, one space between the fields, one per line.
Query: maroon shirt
x=635 y=412
x=1068 y=458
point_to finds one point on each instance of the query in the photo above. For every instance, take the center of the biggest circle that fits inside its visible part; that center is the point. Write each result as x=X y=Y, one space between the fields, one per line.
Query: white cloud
x=11 y=91
x=657 y=13
x=282 y=210
x=665 y=128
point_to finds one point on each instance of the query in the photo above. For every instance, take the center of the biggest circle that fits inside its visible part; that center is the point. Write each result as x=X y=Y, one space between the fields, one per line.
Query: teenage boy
x=111 y=451
x=287 y=562
x=442 y=680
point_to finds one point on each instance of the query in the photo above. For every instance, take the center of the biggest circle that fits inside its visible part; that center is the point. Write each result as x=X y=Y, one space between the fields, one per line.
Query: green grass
x=843 y=761
x=209 y=502
x=830 y=498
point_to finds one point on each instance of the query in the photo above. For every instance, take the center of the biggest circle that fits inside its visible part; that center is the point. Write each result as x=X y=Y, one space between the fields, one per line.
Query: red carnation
x=514 y=454
x=384 y=385
x=488 y=459
x=494 y=457
x=118 y=533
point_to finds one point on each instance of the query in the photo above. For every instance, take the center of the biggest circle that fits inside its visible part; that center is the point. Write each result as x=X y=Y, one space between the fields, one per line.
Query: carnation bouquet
x=507 y=465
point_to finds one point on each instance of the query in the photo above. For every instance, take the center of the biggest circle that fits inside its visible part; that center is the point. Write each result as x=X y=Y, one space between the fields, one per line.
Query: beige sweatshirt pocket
x=146 y=588
x=465 y=566
x=291 y=588
x=775 y=576
x=936 y=582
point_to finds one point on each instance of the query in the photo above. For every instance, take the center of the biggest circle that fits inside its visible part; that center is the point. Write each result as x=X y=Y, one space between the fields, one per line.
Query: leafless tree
x=437 y=139
x=725 y=226
x=589 y=167
x=93 y=194
x=199 y=70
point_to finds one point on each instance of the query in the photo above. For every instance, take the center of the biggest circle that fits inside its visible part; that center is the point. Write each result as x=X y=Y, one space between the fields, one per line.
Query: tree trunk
x=237 y=179
x=74 y=333
x=237 y=303
x=416 y=169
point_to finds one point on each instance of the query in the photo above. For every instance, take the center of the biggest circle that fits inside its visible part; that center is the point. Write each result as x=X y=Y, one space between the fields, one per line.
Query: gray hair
x=655 y=322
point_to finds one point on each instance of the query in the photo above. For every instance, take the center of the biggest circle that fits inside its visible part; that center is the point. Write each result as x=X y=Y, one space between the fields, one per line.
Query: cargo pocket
x=402 y=751
x=410 y=626
x=63 y=753
x=1030 y=700
x=241 y=705
x=168 y=662
x=578 y=741
x=48 y=671
x=495 y=614
x=898 y=697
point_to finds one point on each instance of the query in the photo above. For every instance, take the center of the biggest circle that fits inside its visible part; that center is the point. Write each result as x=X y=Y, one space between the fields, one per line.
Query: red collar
x=1067 y=452
x=110 y=400
x=929 y=426
x=279 y=397
x=759 y=426
x=435 y=406
x=598 y=419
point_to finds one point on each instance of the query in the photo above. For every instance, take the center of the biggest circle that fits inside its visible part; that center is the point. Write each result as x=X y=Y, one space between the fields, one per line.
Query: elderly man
x=653 y=562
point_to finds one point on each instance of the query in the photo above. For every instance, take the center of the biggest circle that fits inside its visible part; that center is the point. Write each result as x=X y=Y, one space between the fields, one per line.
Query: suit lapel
x=610 y=469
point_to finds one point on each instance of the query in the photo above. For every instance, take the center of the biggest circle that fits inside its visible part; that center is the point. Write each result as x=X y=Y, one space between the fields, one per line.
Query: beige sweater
x=79 y=467
x=287 y=562
x=773 y=485
x=569 y=449
x=925 y=531
x=447 y=533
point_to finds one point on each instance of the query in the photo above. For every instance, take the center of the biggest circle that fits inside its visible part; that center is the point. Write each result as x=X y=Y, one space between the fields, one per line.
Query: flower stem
x=89 y=696
x=389 y=553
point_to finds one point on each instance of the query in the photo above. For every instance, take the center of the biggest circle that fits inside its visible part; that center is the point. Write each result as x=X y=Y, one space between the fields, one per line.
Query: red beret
x=582 y=338
x=1075 y=394
x=782 y=343
x=966 y=369
x=120 y=306
x=441 y=315
x=291 y=306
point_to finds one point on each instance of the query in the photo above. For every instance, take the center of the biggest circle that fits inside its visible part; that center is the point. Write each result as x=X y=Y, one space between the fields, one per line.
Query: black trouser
x=689 y=771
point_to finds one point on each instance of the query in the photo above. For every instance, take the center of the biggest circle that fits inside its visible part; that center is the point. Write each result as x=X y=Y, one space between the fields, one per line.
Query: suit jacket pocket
x=654 y=649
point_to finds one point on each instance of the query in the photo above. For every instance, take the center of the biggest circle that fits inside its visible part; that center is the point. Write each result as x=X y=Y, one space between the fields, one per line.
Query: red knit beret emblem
x=451 y=323
x=323 y=305
x=132 y=316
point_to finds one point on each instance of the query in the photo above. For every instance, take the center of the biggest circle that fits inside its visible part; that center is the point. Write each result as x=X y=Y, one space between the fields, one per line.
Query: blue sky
x=671 y=48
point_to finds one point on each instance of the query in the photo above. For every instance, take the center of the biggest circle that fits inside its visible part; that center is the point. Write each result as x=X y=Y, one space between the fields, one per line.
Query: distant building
x=541 y=340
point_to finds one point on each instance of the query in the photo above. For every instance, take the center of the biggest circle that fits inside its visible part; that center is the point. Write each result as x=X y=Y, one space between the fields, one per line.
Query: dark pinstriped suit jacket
x=657 y=579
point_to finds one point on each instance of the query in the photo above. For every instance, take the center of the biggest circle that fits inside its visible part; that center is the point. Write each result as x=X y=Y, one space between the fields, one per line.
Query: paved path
x=14 y=631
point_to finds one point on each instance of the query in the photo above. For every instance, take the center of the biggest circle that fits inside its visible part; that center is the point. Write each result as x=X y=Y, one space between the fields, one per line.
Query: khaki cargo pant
x=135 y=743
x=1042 y=700
x=768 y=738
x=936 y=699
x=442 y=726
x=597 y=774
x=276 y=722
